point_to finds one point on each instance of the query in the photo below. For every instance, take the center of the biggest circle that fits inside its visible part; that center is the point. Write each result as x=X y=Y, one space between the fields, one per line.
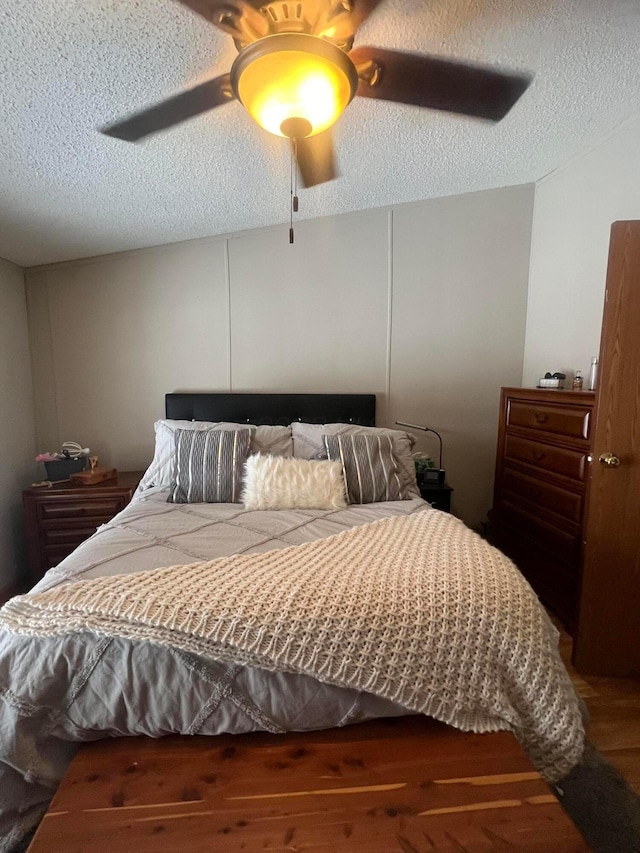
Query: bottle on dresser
x=593 y=374
x=577 y=381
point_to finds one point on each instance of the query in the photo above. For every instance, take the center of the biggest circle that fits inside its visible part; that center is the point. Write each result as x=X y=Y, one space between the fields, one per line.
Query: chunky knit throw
x=417 y=609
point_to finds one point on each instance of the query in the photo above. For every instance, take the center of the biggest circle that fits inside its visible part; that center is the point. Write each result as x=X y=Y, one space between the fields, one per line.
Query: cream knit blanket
x=417 y=609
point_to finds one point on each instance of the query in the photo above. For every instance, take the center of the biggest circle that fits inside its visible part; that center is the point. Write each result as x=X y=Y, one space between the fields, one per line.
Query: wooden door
x=608 y=637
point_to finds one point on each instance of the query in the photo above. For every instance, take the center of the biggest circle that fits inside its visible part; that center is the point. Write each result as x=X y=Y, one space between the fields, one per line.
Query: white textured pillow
x=264 y=439
x=275 y=482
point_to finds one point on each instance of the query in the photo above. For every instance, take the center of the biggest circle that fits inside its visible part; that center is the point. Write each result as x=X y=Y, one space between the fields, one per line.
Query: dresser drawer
x=559 y=460
x=567 y=421
x=516 y=485
x=560 y=543
x=554 y=581
x=101 y=509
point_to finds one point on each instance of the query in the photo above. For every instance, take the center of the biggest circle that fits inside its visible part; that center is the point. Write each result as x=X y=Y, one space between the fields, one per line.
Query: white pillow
x=264 y=439
x=275 y=482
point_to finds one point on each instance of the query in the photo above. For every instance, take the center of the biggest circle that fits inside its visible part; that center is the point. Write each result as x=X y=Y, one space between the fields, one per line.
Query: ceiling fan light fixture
x=292 y=82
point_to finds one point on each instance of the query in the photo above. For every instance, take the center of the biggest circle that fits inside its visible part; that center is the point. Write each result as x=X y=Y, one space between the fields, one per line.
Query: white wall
x=573 y=211
x=17 y=467
x=359 y=303
x=311 y=316
x=110 y=337
x=460 y=267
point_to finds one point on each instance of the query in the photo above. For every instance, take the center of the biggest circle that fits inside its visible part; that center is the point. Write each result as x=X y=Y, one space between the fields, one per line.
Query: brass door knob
x=609 y=459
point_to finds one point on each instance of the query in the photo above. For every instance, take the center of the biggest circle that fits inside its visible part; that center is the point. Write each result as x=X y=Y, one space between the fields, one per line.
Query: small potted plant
x=423 y=463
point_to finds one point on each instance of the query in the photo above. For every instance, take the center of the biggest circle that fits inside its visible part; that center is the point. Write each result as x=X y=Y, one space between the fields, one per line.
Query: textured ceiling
x=69 y=66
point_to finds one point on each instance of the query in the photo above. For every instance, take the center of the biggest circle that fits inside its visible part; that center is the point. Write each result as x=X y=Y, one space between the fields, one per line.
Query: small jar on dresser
x=58 y=518
x=542 y=464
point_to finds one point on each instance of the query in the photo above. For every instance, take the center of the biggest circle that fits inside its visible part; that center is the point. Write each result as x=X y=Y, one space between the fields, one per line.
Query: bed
x=272 y=598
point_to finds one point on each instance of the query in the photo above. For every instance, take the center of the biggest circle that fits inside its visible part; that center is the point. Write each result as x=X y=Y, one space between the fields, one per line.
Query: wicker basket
x=62 y=469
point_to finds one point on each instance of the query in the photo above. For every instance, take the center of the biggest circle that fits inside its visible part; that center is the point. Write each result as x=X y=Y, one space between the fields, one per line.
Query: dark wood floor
x=614 y=706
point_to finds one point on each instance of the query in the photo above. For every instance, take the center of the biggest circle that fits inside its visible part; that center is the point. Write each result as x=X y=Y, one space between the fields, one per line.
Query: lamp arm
x=425 y=429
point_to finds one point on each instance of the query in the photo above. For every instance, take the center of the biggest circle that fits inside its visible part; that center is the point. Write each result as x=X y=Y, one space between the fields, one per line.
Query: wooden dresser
x=542 y=466
x=59 y=518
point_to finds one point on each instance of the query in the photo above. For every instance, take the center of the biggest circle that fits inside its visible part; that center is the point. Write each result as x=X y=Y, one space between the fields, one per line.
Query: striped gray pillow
x=208 y=466
x=369 y=467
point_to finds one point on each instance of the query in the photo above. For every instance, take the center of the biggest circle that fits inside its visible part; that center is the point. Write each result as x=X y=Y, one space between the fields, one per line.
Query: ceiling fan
x=296 y=72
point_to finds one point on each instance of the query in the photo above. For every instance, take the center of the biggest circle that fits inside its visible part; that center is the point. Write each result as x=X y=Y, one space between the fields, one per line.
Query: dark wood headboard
x=273 y=408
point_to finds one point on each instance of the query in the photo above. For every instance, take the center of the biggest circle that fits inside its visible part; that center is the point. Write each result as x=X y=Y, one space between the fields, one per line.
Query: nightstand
x=59 y=518
x=437 y=494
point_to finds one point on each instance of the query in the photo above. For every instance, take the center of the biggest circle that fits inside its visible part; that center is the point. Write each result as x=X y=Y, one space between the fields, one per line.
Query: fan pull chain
x=291 y=192
x=293 y=184
x=295 y=178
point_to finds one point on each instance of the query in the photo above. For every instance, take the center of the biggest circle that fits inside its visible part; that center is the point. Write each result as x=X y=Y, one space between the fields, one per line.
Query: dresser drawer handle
x=538 y=455
x=541 y=418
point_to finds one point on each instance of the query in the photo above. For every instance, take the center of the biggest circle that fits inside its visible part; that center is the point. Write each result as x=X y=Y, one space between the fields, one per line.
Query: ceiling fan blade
x=361 y=11
x=341 y=21
x=191 y=103
x=206 y=8
x=315 y=158
x=235 y=17
x=439 y=84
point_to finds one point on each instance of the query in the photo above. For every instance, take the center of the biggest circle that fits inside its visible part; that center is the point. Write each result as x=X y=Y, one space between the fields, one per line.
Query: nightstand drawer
x=570 y=422
x=557 y=460
x=60 y=518
x=436 y=494
x=102 y=509
x=70 y=537
x=545 y=495
x=52 y=556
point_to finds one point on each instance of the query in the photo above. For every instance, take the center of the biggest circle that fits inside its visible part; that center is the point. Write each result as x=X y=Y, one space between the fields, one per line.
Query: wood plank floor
x=614 y=706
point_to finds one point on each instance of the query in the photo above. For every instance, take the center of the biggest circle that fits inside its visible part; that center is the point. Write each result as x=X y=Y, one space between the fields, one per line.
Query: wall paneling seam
x=389 y=309
x=227 y=281
x=55 y=381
